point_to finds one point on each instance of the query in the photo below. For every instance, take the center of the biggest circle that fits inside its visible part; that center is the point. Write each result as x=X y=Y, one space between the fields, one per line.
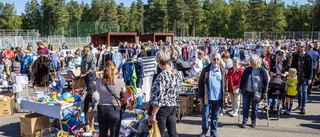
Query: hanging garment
x=117 y=59
x=127 y=69
x=140 y=74
x=40 y=72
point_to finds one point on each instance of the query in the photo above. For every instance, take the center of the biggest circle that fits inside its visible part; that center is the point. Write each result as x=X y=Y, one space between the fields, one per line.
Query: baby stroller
x=275 y=96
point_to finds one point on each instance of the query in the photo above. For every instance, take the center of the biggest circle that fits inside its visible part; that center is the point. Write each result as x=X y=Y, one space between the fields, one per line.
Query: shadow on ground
x=10 y=130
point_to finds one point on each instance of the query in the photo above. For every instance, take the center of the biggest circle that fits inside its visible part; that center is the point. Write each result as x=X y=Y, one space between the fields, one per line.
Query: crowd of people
x=223 y=77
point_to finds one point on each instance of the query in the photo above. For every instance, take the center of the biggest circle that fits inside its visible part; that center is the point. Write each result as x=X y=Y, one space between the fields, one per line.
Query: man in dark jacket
x=212 y=86
x=302 y=61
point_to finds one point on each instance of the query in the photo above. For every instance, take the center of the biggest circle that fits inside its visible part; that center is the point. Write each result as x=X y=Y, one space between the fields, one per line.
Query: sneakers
x=231 y=112
x=253 y=124
x=243 y=125
x=235 y=114
x=303 y=111
x=287 y=112
x=297 y=108
x=203 y=135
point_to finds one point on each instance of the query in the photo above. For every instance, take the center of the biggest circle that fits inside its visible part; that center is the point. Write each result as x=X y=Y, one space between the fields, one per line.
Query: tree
x=86 y=12
x=208 y=13
x=75 y=11
x=155 y=16
x=238 y=20
x=196 y=14
x=32 y=17
x=256 y=15
x=122 y=17
x=140 y=11
x=110 y=11
x=275 y=18
x=133 y=23
x=176 y=10
x=8 y=17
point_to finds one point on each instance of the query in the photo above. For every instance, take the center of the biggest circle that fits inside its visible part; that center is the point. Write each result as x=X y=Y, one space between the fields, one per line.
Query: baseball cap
x=280 y=52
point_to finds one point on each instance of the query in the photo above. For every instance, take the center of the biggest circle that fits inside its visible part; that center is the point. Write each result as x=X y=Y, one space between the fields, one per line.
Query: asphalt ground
x=294 y=125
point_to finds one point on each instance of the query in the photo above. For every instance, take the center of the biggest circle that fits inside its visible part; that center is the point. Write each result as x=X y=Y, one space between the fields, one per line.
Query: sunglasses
x=216 y=59
x=280 y=54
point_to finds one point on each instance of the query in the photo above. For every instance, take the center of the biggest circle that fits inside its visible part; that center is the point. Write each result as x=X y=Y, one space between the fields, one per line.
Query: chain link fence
x=282 y=35
x=57 y=41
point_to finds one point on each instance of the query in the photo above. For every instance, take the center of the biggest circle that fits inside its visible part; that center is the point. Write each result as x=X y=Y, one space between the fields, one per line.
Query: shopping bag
x=154 y=131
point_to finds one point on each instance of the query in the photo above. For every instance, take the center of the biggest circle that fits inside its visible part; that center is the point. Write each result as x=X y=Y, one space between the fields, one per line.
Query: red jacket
x=234 y=78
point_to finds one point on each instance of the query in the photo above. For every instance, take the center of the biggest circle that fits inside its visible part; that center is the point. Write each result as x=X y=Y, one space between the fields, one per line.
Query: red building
x=113 y=38
x=156 y=37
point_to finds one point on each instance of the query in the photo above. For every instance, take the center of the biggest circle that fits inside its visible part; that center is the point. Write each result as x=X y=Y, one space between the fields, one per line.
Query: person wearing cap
x=279 y=65
x=279 y=69
x=302 y=61
x=315 y=63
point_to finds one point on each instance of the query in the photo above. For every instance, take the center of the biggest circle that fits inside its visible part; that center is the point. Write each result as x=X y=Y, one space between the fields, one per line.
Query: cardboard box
x=186 y=110
x=186 y=100
x=197 y=107
x=32 y=124
x=7 y=105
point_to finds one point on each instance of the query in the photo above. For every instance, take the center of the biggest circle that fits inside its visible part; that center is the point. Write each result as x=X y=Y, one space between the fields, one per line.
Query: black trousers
x=89 y=79
x=313 y=79
x=166 y=118
x=87 y=101
x=109 y=117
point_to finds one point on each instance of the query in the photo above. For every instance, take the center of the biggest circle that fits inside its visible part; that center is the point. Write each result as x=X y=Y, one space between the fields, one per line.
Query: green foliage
x=8 y=17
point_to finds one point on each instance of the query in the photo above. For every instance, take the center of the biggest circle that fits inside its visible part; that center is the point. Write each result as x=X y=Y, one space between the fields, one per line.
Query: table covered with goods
x=63 y=109
x=188 y=96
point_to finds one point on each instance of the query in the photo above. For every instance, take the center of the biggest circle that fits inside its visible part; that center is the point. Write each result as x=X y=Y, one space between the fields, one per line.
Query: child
x=291 y=90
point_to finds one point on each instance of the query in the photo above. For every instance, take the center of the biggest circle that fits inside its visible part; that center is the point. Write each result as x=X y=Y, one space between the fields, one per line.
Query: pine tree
x=8 y=17
x=32 y=16
x=122 y=17
x=256 y=15
x=196 y=15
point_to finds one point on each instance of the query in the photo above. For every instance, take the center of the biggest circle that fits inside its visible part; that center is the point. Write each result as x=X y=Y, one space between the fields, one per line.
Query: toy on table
x=54 y=95
x=67 y=96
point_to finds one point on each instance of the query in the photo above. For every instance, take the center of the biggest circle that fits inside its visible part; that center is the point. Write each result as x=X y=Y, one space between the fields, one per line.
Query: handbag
x=256 y=95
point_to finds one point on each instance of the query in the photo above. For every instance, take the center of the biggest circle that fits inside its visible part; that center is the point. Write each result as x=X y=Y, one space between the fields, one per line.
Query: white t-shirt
x=196 y=70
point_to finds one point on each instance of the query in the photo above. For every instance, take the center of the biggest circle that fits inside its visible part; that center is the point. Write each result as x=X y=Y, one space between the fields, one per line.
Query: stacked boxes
x=186 y=104
x=7 y=104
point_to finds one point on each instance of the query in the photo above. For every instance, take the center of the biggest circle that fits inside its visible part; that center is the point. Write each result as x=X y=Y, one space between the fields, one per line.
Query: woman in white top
x=196 y=65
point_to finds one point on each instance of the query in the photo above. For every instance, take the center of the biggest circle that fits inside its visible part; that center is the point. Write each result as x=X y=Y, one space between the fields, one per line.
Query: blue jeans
x=246 y=99
x=302 y=93
x=215 y=110
x=274 y=101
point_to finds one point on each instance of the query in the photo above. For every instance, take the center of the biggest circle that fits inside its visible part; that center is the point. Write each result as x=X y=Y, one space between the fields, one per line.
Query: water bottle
x=83 y=118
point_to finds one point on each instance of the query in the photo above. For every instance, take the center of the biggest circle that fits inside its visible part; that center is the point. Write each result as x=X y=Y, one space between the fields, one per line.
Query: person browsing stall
x=88 y=67
x=164 y=92
x=111 y=88
x=212 y=86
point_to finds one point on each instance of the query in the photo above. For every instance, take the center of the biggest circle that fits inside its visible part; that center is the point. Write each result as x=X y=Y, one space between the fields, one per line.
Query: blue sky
x=20 y=4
